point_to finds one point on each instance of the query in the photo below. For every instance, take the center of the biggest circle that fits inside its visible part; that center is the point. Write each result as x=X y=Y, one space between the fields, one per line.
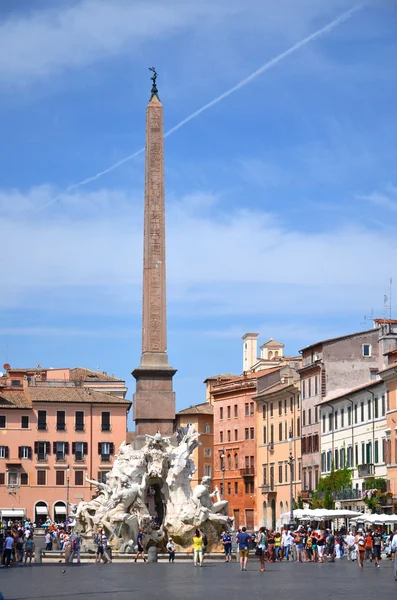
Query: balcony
x=247 y=472
x=79 y=457
x=105 y=457
x=366 y=470
x=41 y=457
x=60 y=457
x=352 y=494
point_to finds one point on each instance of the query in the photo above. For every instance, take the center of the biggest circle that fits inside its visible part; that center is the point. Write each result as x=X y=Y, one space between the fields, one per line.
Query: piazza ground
x=183 y=581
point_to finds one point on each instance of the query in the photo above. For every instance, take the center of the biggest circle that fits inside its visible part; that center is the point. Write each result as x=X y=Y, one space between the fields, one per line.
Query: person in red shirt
x=368 y=546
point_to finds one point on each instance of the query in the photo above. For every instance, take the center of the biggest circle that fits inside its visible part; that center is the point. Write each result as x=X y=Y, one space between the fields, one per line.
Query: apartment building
x=201 y=416
x=54 y=434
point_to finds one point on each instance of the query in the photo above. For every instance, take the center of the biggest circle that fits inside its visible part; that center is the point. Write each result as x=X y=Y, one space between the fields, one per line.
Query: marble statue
x=149 y=487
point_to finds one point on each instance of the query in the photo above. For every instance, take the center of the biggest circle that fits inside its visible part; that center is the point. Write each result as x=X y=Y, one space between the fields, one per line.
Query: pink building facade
x=55 y=433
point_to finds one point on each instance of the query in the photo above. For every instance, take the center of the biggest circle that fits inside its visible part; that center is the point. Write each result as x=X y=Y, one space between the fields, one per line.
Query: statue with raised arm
x=154 y=90
x=202 y=498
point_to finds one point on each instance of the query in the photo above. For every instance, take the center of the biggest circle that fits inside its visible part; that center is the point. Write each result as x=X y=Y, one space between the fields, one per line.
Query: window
x=271 y=409
x=105 y=421
x=25 y=422
x=280 y=473
x=221 y=413
x=264 y=474
x=316 y=414
x=105 y=449
x=323 y=462
x=42 y=449
x=264 y=434
x=61 y=424
x=285 y=430
x=249 y=487
x=236 y=487
x=229 y=488
x=280 y=408
x=286 y=473
x=16 y=383
x=349 y=457
x=2 y=478
x=373 y=374
x=342 y=417
x=25 y=452
x=235 y=435
x=207 y=451
x=272 y=433
x=102 y=476
x=80 y=450
x=349 y=415
x=247 y=409
x=252 y=408
x=264 y=410
x=3 y=422
x=309 y=387
x=236 y=461
x=247 y=433
x=207 y=428
x=329 y=460
x=316 y=385
x=303 y=389
x=59 y=477
x=207 y=470
x=304 y=418
x=376 y=408
x=336 y=459
x=355 y=414
x=79 y=478
x=228 y=411
x=4 y=453
x=376 y=452
x=229 y=461
x=252 y=433
x=291 y=404
x=229 y=435
x=60 y=450
x=297 y=401
x=356 y=453
x=42 y=421
x=298 y=427
x=280 y=432
x=285 y=406
x=362 y=453
x=41 y=477
x=221 y=437
x=383 y=406
x=24 y=479
x=362 y=411
x=12 y=478
x=79 y=420
x=323 y=423
x=329 y=421
x=336 y=419
x=235 y=411
x=366 y=350
x=369 y=453
x=309 y=416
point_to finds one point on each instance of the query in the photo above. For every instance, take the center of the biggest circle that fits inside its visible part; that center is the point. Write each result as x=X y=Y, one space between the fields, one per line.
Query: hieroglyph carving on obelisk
x=154 y=335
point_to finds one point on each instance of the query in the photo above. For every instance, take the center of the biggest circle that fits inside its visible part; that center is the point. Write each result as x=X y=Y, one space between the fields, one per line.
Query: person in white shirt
x=351 y=548
x=286 y=541
x=9 y=544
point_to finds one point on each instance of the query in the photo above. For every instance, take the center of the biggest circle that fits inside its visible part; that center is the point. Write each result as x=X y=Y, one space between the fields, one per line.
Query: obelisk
x=154 y=400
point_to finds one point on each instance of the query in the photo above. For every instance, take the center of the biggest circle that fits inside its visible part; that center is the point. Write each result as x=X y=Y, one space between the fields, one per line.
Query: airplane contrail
x=268 y=65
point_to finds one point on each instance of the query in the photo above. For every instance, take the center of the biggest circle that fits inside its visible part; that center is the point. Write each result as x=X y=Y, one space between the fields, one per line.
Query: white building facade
x=353 y=434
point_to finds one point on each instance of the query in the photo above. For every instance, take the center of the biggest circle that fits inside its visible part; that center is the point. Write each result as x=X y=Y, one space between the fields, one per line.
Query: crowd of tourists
x=17 y=544
x=310 y=545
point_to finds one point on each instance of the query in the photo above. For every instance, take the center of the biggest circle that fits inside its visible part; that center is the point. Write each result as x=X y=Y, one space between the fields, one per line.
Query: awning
x=41 y=510
x=60 y=509
x=9 y=513
x=11 y=466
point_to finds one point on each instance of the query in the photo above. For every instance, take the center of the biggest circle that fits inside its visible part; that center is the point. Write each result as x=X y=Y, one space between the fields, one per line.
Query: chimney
x=250 y=350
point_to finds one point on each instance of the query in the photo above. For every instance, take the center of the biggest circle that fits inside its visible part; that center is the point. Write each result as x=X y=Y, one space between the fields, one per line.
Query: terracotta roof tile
x=73 y=395
x=203 y=409
x=359 y=388
x=80 y=373
x=14 y=399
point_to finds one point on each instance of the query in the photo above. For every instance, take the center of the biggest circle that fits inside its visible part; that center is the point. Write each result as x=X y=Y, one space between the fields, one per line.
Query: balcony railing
x=41 y=457
x=79 y=457
x=366 y=470
x=247 y=472
x=60 y=457
x=352 y=494
x=105 y=457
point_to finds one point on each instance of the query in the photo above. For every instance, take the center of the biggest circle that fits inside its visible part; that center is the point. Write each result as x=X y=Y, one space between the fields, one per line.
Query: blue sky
x=281 y=198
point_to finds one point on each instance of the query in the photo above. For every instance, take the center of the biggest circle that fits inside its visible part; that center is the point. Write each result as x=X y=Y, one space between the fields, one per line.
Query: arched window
x=207 y=428
x=270 y=355
x=236 y=461
x=276 y=354
x=229 y=461
x=60 y=511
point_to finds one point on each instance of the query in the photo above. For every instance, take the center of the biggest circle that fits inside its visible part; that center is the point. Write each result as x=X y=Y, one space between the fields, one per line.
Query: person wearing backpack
x=260 y=550
x=205 y=544
x=361 y=548
x=377 y=546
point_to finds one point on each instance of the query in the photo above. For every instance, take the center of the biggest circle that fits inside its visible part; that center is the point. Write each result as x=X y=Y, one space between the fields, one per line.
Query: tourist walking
x=277 y=545
x=321 y=546
x=360 y=540
x=76 y=548
x=197 y=549
x=29 y=549
x=270 y=546
x=48 y=541
x=377 y=546
x=330 y=544
x=140 y=548
x=243 y=540
x=8 y=548
x=171 y=550
x=286 y=542
x=261 y=547
x=227 y=546
x=205 y=543
x=368 y=546
x=20 y=547
x=351 y=548
x=300 y=546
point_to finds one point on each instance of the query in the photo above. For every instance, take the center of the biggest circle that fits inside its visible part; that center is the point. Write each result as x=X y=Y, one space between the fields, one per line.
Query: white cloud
x=218 y=263
x=387 y=200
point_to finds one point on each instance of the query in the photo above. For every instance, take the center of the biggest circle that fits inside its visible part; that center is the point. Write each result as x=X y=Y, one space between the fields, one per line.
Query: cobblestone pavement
x=184 y=581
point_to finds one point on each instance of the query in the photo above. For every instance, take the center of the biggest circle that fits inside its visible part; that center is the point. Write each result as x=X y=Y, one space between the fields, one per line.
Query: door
x=249 y=519
x=236 y=515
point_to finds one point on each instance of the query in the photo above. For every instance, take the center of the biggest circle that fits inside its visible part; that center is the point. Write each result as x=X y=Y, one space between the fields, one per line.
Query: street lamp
x=67 y=490
x=223 y=458
x=291 y=476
